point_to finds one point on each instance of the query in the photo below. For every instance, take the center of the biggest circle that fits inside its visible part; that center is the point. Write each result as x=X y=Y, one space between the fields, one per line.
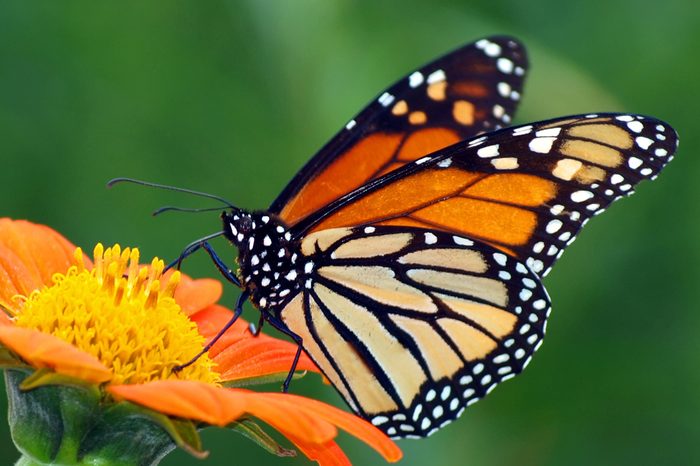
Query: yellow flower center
x=119 y=313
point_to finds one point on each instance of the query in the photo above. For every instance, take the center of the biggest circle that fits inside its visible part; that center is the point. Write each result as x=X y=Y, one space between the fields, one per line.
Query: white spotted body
x=268 y=260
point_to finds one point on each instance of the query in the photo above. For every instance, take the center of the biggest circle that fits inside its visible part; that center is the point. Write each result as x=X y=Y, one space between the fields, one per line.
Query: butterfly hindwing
x=413 y=325
x=467 y=92
x=527 y=190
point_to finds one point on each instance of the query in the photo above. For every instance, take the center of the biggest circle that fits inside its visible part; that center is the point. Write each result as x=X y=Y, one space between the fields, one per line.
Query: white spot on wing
x=643 y=142
x=556 y=209
x=492 y=49
x=386 y=99
x=522 y=130
x=462 y=241
x=548 y=132
x=505 y=163
x=581 y=196
x=488 y=151
x=504 y=65
x=500 y=258
x=635 y=126
x=477 y=141
x=436 y=77
x=501 y=358
x=504 y=89
x=634 y=162
x=542 y=145
x=498 y=111
x=415 y=79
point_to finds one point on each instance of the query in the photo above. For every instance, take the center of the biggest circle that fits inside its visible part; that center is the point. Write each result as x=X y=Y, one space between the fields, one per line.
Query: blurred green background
x=232 y=97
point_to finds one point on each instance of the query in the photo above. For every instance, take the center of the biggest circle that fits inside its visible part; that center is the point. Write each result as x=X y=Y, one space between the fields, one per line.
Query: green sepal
x=251 y=430
x=55 y=419
x=9 y=360
x=48 y=423
x=73 y=424
x=26 y=461
x=263 y=379
x=182 y=431
x=126 y=435
x=47 y=377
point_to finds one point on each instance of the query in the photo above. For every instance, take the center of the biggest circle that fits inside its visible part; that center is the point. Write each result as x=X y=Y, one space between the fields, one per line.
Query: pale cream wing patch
x=413 y=325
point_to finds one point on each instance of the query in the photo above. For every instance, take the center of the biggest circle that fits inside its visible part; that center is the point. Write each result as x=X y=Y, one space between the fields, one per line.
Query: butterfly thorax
x=267 y=257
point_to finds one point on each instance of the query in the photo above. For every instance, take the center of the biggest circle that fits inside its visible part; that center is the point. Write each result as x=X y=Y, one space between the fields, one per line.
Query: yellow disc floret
x=120 y=313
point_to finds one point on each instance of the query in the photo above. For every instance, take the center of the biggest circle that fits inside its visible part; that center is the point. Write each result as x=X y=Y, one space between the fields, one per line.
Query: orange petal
x=350 y=423
x=239 y=354
x=4 y=318
x=42 y=350
x=327 y=454
x=212 y=319
x=187 y=399
x=252 y=356
x=288 y=417
x=29 y=256
x=193 y=295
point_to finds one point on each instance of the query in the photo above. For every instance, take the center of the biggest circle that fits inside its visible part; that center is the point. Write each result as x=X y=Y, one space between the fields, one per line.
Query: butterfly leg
x=255 y=330
x=220 y=265
x=236 y=314
x=190 y=249
x=279 y=325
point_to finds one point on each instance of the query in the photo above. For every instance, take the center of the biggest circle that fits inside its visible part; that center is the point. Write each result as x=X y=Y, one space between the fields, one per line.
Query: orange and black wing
x=526 y=190
x=413 y=325
x=472 y=90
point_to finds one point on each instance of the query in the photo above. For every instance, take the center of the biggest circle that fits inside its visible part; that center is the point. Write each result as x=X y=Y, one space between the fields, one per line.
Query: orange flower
x=122 y=328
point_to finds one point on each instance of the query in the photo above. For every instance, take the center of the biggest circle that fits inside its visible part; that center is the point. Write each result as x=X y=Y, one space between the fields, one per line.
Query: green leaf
x=250 y=429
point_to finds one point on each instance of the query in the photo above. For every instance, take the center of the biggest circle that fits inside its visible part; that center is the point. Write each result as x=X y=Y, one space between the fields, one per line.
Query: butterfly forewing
x=413 y=325
x=406 y=257
x=469 y=91
x=526 y=190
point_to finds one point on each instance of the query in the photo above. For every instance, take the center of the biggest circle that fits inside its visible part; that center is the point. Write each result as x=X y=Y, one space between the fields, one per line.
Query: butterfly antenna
x=115 y=181
x=170 y=208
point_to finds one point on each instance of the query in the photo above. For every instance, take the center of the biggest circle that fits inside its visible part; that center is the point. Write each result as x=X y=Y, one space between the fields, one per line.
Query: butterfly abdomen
x=267 y=257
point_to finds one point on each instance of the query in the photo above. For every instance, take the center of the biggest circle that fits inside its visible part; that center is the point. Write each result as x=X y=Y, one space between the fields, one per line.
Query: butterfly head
x=267 y=256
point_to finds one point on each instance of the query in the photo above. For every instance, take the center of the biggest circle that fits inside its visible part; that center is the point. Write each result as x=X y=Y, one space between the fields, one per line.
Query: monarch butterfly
x=406 y=257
